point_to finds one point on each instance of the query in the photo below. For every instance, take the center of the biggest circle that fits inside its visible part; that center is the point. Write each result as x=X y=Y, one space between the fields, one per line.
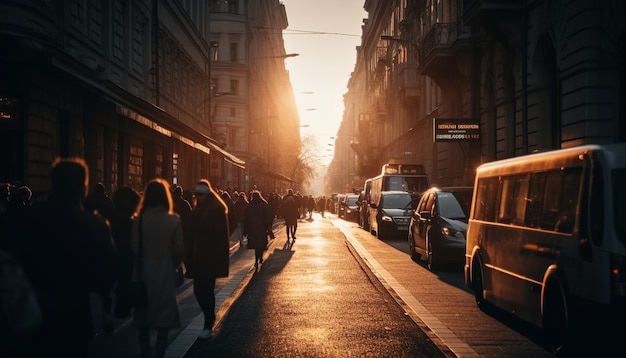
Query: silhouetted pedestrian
x=239 y=213
x=291 y=214
x=321 y=205
x=99 y=203
x=206 y=249
x=160 y=231
x=125 y=201
x=257 y=225
x=67 y=253
x=182 y=207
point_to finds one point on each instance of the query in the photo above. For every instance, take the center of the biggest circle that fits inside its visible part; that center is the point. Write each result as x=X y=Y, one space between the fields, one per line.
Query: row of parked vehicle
x=434 y=222
x=540 y=236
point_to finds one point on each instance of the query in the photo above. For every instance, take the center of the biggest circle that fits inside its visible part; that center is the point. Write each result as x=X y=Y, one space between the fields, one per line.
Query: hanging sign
x=456 y=130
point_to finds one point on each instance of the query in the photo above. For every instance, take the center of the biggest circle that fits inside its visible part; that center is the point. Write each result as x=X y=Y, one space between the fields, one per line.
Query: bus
x=411 y=178
x=546 y=238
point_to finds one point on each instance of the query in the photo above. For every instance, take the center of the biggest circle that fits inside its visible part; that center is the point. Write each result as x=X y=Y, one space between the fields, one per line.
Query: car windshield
x=451 y=207
x=396 y=201
x=352 y=200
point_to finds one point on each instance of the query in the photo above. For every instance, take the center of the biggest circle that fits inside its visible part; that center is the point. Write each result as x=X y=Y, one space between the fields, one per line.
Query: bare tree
x=304 y=168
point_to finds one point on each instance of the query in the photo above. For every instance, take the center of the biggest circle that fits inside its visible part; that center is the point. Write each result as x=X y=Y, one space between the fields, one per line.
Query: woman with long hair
x=158 y=239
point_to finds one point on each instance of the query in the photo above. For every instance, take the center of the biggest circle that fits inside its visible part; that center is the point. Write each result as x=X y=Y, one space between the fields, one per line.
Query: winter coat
x=256 y=224
x=162 y=237
x=239 y=211
x=290 y=210
x=66 y=253
x=207 y=242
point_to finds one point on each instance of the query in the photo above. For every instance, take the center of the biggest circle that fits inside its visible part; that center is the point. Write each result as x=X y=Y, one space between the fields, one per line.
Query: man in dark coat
x=257 y=224
x=206 y=237
x=291 y=214
x=67 y=254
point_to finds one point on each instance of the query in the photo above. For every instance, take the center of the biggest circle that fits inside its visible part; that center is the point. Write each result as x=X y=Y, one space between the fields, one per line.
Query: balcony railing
x=382 y=54
x=441 y=36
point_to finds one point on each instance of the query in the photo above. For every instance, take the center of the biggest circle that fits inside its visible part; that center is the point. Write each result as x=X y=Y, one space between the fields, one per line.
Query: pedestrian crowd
x=76 y=242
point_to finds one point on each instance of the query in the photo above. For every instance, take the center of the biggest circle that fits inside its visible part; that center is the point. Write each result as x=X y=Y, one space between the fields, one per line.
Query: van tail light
x=618 y=275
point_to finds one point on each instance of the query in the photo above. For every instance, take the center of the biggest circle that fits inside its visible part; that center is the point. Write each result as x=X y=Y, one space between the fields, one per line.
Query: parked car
x=439 y=224
x=390 y=214
x=349 y=209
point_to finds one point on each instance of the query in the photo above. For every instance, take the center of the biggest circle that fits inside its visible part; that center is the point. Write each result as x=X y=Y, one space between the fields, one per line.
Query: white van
x=547 y=236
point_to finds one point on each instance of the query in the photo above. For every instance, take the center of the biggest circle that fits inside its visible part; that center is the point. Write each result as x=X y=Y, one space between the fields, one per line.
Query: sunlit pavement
x=438 y=304
x=312 y=298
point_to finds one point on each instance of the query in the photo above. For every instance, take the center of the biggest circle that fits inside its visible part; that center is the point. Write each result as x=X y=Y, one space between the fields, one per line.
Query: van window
x=512 y=210
x=395 y=183
x=485 y=208
x=618 y=176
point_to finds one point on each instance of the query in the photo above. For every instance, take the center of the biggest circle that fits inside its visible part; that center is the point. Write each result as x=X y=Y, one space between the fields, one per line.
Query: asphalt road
x=312 y=298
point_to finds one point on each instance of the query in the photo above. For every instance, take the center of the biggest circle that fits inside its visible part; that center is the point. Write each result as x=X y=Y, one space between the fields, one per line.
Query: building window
x=140 y=39
x=215 y=46
x=117 y=31
x=234 y=52
x=234 y=87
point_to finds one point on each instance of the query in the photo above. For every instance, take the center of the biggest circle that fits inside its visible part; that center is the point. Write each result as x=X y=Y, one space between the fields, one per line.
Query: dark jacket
x=239 y=211
x=256 y=223
x=289 y=209
x=206 y=236
x=67 y=254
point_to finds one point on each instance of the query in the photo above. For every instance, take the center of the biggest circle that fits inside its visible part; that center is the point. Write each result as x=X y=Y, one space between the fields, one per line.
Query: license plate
x=402 y=228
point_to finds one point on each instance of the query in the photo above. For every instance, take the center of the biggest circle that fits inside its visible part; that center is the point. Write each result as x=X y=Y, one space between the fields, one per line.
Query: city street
x=313 y=299
x=337 y=291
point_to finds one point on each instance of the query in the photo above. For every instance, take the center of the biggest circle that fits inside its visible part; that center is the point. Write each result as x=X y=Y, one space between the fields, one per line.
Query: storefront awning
x=232 y=159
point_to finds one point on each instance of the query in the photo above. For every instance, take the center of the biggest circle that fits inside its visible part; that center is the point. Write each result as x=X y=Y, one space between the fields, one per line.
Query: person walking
x=321 y=205
x=125 y=202
x=310 y=206
x=157 y=232
x=101 y=204
x=67 y=253
x=291 y=214
x=206 y=249
x=239 y=213
x=257 y=225
x=182 y=207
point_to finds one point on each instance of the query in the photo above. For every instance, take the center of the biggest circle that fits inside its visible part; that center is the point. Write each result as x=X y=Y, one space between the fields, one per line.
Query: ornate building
x=534 y=75
x=129 y=86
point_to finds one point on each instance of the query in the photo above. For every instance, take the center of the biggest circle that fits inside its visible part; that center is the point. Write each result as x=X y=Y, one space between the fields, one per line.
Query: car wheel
x=555 y=319
x=479 y=287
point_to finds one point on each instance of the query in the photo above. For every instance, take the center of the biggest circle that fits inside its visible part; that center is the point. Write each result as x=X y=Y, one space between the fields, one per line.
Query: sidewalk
x=122 y=342
x=240 y=275
x=311 y=298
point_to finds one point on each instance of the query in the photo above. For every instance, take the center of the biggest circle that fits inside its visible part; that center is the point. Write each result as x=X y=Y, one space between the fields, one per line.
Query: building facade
x=125 y=84
x=534 y=75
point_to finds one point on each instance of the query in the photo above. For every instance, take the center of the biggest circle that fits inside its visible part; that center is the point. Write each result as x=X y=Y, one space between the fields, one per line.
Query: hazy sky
x=325 y=33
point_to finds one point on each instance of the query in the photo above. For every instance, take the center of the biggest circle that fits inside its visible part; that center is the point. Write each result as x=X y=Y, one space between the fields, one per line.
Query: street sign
x=456 y=130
